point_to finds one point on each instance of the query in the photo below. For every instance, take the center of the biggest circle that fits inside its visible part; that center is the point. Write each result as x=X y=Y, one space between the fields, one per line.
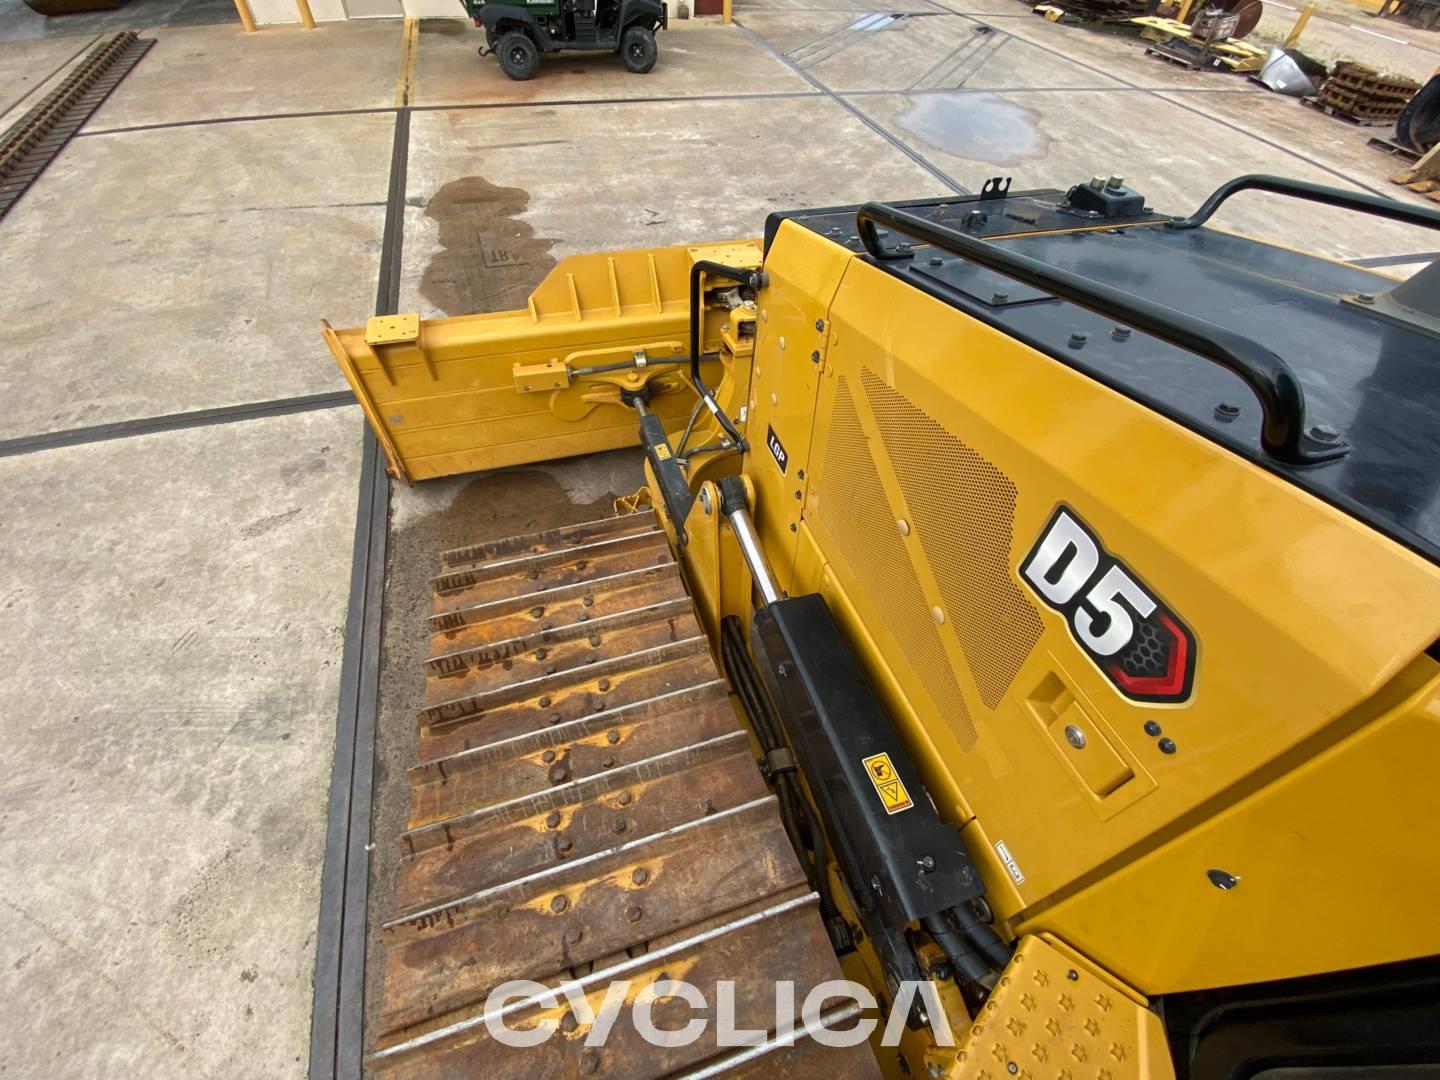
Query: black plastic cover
x=900 y=866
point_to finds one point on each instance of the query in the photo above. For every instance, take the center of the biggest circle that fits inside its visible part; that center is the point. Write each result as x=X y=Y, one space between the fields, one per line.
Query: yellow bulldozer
x=1019 y=658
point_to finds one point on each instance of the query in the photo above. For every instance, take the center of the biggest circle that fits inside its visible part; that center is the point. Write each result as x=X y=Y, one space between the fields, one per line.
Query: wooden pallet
x=1360 y=121
x=1367 y=82
x=1390 y=146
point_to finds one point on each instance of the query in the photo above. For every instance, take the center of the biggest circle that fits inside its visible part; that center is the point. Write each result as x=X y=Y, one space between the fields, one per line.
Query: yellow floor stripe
x=405 y=84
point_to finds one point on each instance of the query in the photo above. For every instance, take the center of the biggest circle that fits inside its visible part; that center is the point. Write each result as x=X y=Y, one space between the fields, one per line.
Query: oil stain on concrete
x=490 y=258
x=977 y=126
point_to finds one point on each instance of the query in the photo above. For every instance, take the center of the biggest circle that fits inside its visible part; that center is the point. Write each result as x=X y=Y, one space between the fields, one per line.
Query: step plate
x=585 y=808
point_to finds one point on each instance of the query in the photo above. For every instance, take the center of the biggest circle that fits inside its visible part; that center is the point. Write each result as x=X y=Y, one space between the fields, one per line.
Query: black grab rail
x=1316 y=193
x=1282 y=400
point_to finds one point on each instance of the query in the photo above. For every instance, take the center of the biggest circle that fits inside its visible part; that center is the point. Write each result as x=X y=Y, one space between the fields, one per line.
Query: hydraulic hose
x=968 y=963
x=984 y=937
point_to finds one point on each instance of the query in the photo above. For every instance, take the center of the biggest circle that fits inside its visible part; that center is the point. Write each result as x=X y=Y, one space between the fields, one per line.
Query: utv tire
x=637 y=49
x=518 y=56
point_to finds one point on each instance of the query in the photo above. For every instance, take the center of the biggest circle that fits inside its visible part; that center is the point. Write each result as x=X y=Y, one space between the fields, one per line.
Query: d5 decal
x=1140 y=644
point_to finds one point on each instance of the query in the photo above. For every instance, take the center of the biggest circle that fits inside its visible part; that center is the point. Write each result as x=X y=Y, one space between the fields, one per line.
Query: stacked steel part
x=37 y=138
x=1362 y=93
x=586 y=809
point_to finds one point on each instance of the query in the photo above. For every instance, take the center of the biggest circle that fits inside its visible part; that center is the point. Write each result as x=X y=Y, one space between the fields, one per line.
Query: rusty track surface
x=586 y=809
x=37 y=138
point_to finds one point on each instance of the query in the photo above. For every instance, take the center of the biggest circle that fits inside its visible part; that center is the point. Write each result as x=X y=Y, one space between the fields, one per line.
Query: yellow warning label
x=662 y=452
x=891 y=791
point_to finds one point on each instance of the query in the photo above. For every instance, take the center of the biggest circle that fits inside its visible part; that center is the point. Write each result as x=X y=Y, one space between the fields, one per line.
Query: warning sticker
x=662 y=452
x=891 y=791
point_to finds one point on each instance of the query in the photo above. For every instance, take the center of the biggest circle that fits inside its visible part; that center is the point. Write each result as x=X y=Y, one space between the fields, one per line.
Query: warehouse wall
x=284 y=11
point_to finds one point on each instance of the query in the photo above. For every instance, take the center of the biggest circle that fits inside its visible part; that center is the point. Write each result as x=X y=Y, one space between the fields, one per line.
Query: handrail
x=1273 y=382
x=751 y=279
x=1317 y=193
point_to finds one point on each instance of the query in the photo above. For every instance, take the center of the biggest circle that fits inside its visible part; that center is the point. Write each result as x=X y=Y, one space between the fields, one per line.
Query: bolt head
x=634 y=913
x=1077 y=340
x=1323 y=433
x=1152 y=728
x=1167 y=746
x=559 y=903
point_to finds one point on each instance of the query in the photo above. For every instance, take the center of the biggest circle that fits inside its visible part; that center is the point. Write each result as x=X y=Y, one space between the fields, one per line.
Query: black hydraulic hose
x=751 y=279
x=984 y=937
x=957 y=948
x=1377 y=205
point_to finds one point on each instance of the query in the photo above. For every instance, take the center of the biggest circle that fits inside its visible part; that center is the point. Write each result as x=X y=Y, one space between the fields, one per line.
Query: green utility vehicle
x=517 y=33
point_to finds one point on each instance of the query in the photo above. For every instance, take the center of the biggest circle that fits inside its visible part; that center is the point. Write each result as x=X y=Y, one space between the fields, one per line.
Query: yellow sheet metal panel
x=449 y=396
x=1053 y=1014
x=791 y=341
x=942 y=450
x=1330 y=866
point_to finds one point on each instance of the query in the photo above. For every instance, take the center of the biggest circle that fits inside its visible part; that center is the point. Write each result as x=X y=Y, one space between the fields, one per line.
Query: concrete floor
x=172 y=605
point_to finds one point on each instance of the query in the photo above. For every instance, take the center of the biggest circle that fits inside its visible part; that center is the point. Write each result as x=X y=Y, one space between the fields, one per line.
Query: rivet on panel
x=545 y=701
x=612 y=737
x=559 y=903
x=640 y=875
x=603 y=684
x=938 y=614
x=548 y=756
x=625 y=798
x=903 y=526
x=552 y=819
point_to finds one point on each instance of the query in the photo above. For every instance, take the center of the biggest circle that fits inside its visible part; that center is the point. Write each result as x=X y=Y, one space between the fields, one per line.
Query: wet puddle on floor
x=490 y=258
x=978 y=126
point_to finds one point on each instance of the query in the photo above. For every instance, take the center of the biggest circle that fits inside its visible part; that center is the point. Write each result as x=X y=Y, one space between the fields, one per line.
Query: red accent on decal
x=1172 y=683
